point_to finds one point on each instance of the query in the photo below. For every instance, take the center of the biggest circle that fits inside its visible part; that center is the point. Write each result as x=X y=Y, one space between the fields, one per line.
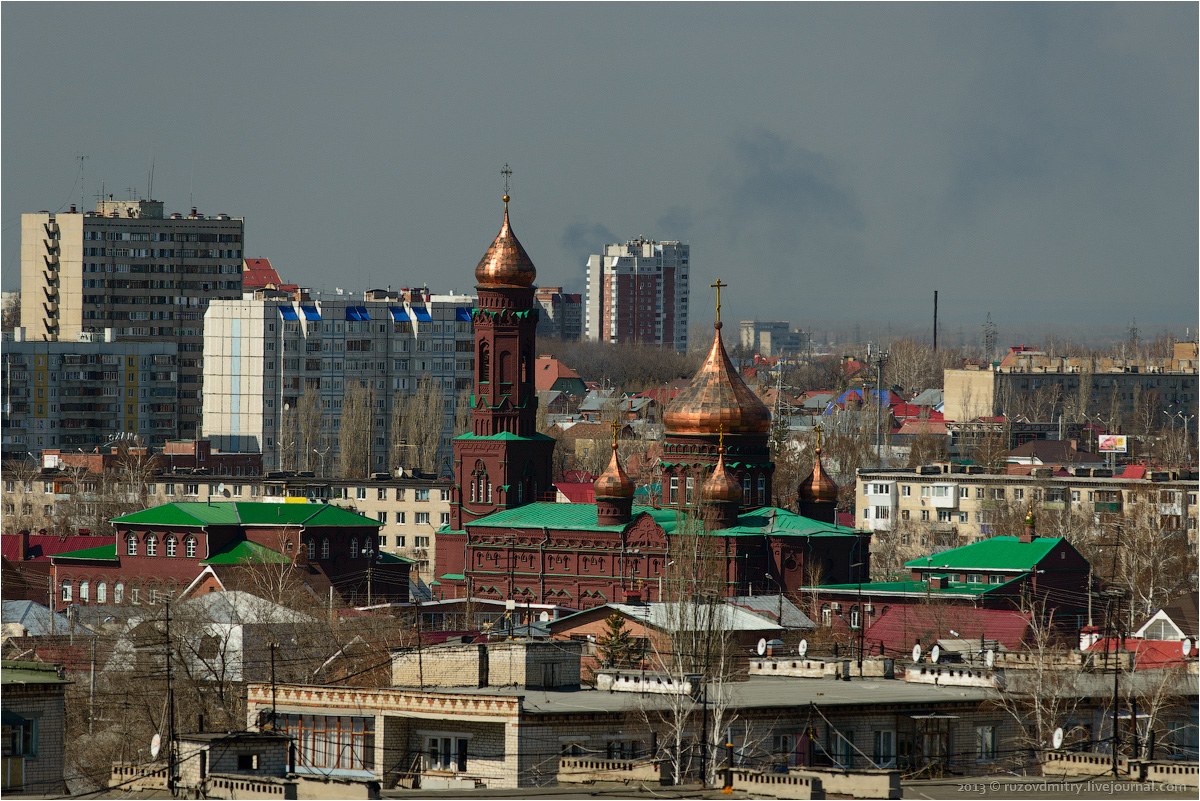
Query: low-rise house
x=33 y=703
x=1178 y=620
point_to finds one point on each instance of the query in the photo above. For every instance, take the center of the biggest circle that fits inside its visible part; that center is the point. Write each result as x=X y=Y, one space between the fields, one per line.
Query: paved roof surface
x=235 y=513
x=999 y=553
x=14 y=673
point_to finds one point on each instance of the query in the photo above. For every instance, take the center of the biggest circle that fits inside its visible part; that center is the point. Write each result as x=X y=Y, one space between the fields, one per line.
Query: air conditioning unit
x=869 y=609
x=835 y=606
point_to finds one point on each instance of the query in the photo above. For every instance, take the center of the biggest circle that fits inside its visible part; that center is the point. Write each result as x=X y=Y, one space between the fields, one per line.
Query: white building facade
x=263 y=353
x=638 y=293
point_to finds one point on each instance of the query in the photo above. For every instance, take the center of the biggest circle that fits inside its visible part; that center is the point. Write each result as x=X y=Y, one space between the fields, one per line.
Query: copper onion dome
x=506 y=264
x=613 y=483
x=818 y=487
x=721 y=487
x=716 y=397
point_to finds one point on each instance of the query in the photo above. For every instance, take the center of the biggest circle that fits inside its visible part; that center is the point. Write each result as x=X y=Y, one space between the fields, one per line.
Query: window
x=20 y=738
x=66 y=590
x=979 y=493
x=84 y=591
x=381 y=517
x=354 y=547
x=420 y=542
x=1074 y=496
x=189 y=547
x=905 y=514
x=691 y=485
x=118 y=592
x=997 y=579
x=247 y=761
x=423 y=495
x=325 y=549
x=400 y=518
x=843 y=749
x=446 y=753
x=312 y=549
x=131 y=545
x=905 y=490
x=998 y=493
x=882 y=513
x=963 y=517
x=884 y=753
x=974 y=578
x=102 y=593
x=985 y=743
x=444 y=518
x=826 y=615
x=381 y=494
x=151 y=545
x=783 y=750
x=925 y=515
x=170 y=546
x=674 y=489
x=329 y=741
x=1018 y=494
x=422 y=518
x=191 y=489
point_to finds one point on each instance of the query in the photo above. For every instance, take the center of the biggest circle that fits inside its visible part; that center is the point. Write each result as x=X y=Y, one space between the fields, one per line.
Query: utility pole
x=880 y=357
x=170 y=711
x=273 y=646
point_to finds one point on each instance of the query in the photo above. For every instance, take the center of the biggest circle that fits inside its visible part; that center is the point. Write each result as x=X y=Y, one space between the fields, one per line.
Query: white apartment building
x=129 y=267
x=264 y=352
x=80 y=394
x=638 y=292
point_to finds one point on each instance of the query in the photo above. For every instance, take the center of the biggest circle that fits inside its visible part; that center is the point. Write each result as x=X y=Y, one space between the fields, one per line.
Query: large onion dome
x=506 y=265
x=717 y=396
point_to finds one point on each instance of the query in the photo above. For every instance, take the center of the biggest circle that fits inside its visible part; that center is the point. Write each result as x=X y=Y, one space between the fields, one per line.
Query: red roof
x=1134 y=471
x=900 y=626
x=43 y=546
x=916 y=426
x=259 y=274
x=578 y=477
x=577 y=493
x=547 y=371
x=1148 y=654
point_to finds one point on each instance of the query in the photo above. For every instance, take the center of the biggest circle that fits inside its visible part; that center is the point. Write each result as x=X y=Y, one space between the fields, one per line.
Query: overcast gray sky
x=829 y=161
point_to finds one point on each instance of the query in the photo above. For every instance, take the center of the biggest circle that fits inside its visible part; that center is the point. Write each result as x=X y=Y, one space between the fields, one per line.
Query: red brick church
x=716 y=474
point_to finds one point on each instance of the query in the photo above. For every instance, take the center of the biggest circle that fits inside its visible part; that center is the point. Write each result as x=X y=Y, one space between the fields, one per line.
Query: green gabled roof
x=99 y=552
x=996 y=553
x=772 y=520
x=505 y=436
x=917 y=587
x=245 y=514
x=245 y=552
x=386 y=558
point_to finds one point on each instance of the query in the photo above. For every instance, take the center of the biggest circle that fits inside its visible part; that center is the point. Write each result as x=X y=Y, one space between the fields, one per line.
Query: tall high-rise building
x=128 y=267
x=638 y=292
x=561 y=313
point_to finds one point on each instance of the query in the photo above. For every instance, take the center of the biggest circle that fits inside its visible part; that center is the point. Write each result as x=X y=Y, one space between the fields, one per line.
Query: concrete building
x=266 y=352
x=772 y=338
x=638 y=292
x=562 y=313
x=129 y=267
x=70 y=395
x=953 y=505
x=1029 y=380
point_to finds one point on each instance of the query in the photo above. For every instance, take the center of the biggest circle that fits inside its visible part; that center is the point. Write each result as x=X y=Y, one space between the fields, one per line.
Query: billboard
x=1112 y=443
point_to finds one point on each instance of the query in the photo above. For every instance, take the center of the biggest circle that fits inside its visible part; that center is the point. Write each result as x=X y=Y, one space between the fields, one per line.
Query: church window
x=691 y=485
x=674 y=491
x=505 y=367
x=484 y=361
x=762 y=490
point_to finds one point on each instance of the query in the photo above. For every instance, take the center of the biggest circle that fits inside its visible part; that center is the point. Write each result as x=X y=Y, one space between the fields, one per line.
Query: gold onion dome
x=721 y=487
x=613 y=483
x=818 y=487
x=506 y=264
x=717 y=396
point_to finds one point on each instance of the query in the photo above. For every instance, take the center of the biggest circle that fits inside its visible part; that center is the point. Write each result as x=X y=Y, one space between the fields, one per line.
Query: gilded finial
x=616 y=425
x=818 y=437
x=718 y=286
x=506 y=172
x=721 y=437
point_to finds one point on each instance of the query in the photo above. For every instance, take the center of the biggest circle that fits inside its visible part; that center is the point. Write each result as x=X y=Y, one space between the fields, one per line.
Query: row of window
x=754 y=490
x=1018 y=493
x=421 y=518
x=170 y=543
x=153 y=592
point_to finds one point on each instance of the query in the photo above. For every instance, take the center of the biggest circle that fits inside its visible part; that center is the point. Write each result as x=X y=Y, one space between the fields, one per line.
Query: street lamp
x=322 y=455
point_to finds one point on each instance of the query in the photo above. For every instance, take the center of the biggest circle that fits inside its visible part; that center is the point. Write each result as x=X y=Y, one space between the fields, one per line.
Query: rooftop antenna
x=81 y=158
x=935 y=294
x=150 y=177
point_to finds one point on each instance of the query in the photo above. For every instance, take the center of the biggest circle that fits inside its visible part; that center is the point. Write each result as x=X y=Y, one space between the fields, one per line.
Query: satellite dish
x=220 y=489
x=155 y=746
x=917 y=652
x=1057 y=738
x=803 y=649
x=544 y=617
x=510 y=604
x=1187 y=647
x=990 y=658
x=762 y=646
x=935 y=653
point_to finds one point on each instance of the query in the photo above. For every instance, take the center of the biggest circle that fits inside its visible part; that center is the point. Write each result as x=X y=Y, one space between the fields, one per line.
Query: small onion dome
x=1030 y=520
x=613 y=484
x=506 y=265
x=818 y=487
x=717 y=397
x=721 y=487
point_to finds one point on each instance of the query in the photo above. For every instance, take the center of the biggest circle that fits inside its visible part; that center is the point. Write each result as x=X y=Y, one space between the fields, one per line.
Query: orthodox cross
x=720 y=432
x=818 y=436
x=615 y=426
x=506 y=172
x=718 y=286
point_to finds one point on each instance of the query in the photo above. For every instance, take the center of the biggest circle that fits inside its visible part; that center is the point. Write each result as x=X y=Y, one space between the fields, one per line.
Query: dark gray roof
x=768 y=606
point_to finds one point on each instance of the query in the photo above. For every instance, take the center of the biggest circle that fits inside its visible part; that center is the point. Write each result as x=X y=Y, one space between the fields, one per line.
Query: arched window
x=826 y=615
x=354 y=547
x=312 y=549
x=746 y=488
x=325 y=548
x=504 y=373
x=526 y=367
x=762 y=490
x=85 y=590
x=118 y=593
x=691 y=486
x=102 y=593
x=151 y=545
x=478 y=482
x=171 y=546
x=673 y=495
x=189 y=547
x=489 y=491
x=131 y=545
x=485 y=361
x=854 y=617
x=287 y=546
x=66 y=590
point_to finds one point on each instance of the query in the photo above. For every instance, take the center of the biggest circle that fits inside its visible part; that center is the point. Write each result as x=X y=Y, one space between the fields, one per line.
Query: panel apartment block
x=638 y=292
x=128 y=267
x=263 y=353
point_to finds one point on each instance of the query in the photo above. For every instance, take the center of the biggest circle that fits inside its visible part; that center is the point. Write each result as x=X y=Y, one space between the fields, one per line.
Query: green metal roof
x=245 y=514
x=996 y=553
x=246 y=552
x=99 y=552
x=506 y=436
x=582 y=517
x=13 y=672
x=915 y=587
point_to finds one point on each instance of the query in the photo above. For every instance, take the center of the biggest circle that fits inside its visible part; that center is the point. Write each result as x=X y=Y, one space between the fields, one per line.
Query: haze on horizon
x=829 y=161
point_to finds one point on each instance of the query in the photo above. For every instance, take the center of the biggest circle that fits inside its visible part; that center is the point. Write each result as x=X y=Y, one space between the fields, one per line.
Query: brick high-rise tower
x=504 y=462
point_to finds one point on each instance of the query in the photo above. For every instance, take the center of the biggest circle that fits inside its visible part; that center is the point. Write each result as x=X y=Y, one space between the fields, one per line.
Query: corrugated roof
x=1148 y=654
x=245 y=514
x=900 y=626
x=42 y=546
x=918 y=587
x=668 y=615
x=37 y=619
x=999 y=553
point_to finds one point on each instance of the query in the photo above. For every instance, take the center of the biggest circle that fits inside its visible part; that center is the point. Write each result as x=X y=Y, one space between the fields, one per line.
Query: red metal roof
x=43 y=546
x=577 y=493
x=259 y=274
x=547 y=371
x=900 y=626
x=1148 y=654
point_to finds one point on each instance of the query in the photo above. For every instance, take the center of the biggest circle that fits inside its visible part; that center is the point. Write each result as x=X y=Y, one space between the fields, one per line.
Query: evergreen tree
x=616 y=646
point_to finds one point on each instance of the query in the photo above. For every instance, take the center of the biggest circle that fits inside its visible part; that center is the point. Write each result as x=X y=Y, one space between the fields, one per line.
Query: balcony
x=1102 y=507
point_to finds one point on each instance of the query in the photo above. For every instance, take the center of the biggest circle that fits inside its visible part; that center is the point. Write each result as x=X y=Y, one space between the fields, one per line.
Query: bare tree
x=309 y=417
x=10 y=315
x=422 y=416
x=354 y=431
x=288 y=436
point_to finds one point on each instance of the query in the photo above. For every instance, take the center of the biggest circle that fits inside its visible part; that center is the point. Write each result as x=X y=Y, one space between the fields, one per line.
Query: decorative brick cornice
x=385 y=700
